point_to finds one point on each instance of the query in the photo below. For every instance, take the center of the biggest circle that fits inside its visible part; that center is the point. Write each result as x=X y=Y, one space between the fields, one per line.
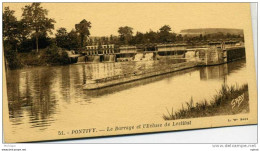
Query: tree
x=43 y=39
x=67 y=40
x=62 y=38
x=9 y=23
x=73 y=40
x=34 y=17
x=138 y=38
x=165 y=35
x=23 y=32
x=90 y=42
x=113 y=39
x=179 y=37
x=125 y=34
x=151 y=36
x=165 y=29
x=10 y=28
x=10 y=40
x=83 y=29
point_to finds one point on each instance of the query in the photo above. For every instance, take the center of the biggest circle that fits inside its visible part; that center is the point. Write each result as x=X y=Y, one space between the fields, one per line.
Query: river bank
x=229 y=100
x=51 y=56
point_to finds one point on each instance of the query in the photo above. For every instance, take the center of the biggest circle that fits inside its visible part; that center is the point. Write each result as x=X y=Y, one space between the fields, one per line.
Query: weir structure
x=205 y=54
x=213 y=53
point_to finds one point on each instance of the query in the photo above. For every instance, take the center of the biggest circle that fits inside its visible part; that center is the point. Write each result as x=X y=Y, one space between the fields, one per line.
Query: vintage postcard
x=81 y=70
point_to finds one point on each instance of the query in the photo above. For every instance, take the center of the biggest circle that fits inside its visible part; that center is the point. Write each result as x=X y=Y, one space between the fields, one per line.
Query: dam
x=181 y=56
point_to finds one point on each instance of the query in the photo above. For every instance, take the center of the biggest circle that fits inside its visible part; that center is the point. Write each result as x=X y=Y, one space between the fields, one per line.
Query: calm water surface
x=44 y=98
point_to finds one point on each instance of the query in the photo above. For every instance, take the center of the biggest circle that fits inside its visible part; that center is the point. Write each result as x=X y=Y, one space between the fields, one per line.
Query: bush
x=52 y=55
x=12 y=59
x=64 y=58
x=31 y=59
x=55 y=56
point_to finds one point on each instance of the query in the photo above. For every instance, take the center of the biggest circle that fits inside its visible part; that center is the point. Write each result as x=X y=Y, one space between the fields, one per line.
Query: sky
x=106 y=18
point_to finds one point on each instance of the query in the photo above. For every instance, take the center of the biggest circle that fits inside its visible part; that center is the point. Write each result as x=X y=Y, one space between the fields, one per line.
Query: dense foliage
x=31 y=34
x=54 y=55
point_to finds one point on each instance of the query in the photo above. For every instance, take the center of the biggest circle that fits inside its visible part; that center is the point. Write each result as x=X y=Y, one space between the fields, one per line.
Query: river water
x=44 y=99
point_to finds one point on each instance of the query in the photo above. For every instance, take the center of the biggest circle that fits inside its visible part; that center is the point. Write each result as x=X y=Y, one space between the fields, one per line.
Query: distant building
x=204 y=31
x=100 y=49
x=128 y=49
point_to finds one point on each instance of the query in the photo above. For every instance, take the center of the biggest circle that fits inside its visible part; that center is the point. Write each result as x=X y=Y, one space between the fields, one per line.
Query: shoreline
x=117 y=80
x=229 y=100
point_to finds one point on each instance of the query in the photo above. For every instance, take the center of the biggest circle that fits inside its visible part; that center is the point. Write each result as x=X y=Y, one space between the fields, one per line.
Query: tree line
x=32 y=34
x=33 y=31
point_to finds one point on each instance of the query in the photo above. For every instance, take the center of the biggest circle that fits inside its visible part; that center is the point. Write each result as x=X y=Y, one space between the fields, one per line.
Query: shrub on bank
x=52 y=55
x=12 y=60
x=64 y=58
x=55 y=56
x=31 y=59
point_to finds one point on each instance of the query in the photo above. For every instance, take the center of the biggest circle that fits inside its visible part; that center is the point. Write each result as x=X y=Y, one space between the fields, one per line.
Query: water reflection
x=30 y=92
x=42 y=96
x=221 y=71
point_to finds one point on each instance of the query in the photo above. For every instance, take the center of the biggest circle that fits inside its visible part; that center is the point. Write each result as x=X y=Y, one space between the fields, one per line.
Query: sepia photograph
x=82 y=70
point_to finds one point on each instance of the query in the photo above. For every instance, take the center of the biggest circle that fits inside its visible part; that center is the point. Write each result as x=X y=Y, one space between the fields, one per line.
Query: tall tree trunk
x=37 y=44
x=4 y=59
x=82 y=40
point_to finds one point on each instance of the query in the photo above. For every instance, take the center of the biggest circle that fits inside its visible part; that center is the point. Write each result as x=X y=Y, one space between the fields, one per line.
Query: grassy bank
x=49 y=56
x=229 y=100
